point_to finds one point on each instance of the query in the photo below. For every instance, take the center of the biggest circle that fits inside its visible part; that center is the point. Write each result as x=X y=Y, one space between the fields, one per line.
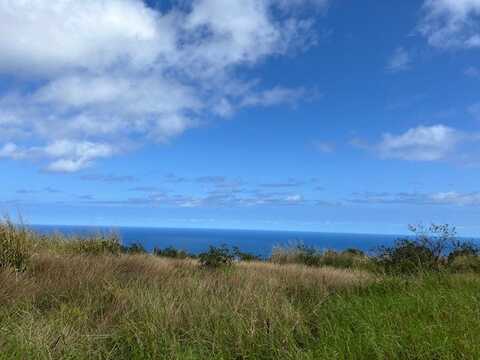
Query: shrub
x=406 y=256
x=425 y=251
x=216 y=257
x=134 y=249
x=171 y=252
x=15 y=246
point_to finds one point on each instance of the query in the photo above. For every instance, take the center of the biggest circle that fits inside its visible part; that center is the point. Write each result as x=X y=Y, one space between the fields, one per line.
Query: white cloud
x=451 y=23
x=275 y=96
x=423 y=143
x=399 y=61
x=437 y=198
x=57 y=35
x=110 y=71
x=64 y=155
x=456 y=198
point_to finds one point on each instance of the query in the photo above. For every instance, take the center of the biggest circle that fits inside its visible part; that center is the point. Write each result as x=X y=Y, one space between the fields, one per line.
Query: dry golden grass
x=109 y=306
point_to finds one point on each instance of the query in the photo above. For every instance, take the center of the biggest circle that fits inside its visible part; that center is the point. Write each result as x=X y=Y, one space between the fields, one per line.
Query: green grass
x=433 y=317
x=82 y=299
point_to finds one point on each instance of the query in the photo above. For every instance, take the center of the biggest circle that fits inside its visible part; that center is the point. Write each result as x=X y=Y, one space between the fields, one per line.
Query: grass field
x=68 y=303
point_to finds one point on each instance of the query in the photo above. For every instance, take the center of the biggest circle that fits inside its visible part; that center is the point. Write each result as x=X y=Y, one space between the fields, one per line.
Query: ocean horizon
x=258 y=242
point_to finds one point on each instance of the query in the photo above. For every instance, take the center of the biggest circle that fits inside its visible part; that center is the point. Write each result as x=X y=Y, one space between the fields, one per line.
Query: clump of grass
x=93 y=244
x=15 y=246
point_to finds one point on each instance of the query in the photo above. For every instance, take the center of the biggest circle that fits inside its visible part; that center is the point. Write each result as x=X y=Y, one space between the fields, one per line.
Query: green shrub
x=216 y=257
x=171 y=252
x=134 y=249
x=15 y=246
x=424 y=251
x=406 y=257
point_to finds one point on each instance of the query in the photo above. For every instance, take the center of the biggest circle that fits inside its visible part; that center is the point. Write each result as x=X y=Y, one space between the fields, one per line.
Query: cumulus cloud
x=423 y=143
x=399 y=61
x=451 y=23
x=109 y=69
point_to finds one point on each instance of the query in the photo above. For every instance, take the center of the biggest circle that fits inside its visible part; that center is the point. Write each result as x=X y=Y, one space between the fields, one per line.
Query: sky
x=308 y=115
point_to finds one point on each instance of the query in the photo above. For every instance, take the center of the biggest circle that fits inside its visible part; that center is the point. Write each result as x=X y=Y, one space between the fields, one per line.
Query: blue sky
x=317 y=115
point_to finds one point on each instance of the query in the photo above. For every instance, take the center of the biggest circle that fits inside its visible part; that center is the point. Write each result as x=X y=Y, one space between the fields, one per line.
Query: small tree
x=216 y=257
x=425 y=251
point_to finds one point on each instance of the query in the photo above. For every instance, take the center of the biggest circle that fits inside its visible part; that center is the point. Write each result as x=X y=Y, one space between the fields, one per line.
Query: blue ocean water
x=256 y=242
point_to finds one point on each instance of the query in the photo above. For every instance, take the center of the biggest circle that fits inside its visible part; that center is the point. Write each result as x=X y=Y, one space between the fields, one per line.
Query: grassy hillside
x=83 y=299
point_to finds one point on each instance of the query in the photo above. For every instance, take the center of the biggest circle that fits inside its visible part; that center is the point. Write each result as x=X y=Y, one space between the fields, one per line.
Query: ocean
x=256 y=242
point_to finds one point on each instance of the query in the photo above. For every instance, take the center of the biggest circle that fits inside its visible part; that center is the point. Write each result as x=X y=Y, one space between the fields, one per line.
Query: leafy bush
x=216 y=257
x=171 y=252
x=15 y=246
x=134 y=249
x=406 y=256
x=424 y=251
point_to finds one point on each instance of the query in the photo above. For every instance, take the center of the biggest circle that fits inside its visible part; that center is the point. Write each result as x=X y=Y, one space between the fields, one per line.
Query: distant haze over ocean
x=253 y=241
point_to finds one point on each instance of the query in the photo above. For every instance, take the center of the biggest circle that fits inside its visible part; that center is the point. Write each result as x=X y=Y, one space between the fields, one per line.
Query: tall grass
x=15 y=245
x=145 y=307
x=89 y=298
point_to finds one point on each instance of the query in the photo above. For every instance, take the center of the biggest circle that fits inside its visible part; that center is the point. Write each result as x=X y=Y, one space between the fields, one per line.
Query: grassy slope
x=142 y=307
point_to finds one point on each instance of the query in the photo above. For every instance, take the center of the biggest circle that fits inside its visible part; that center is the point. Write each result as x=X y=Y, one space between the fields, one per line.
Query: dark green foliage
x=216 y=257
x=134 y=248
x=425 y=251
x=406 y=257
x=353 y=251
x=171 y=252
x=466 y=248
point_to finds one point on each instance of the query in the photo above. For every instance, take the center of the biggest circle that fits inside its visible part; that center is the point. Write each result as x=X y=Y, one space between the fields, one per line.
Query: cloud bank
x=86 y=76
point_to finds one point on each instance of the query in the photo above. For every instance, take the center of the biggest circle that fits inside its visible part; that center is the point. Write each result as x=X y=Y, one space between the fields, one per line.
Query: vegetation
x=91 y=298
